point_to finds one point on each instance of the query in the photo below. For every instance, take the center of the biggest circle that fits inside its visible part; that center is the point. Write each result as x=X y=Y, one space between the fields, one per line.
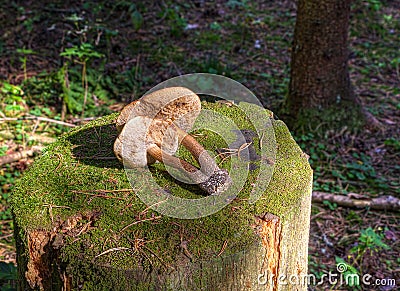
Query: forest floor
x=49 y=49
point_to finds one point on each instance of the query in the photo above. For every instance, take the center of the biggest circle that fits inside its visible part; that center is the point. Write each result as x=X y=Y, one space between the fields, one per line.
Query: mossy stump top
x=80 y=225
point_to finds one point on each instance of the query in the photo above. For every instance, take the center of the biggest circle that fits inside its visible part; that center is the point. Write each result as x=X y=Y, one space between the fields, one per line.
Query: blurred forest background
x=64 y=63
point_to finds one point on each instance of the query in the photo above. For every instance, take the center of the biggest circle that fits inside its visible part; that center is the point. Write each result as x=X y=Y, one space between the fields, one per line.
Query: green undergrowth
x=352 y=173
x=79 y=177
x=332 y=118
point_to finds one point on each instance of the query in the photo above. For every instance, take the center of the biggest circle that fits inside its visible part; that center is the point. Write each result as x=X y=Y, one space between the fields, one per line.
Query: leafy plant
x=8 y=276
x=393 y=142
x=369 y=241
x=236 y=3
x=332 y=206
x=23 y=59
x=136 y=16
x=11 y=97
x=3 y=150
x=350 y=274
x=177 y=23
x=374 y=5
x=213 y=65
x=7 y=179
x=82 y=55
x=70 y=97
x=215 y=26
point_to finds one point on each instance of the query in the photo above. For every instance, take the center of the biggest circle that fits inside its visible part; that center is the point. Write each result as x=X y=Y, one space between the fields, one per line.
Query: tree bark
x=319 y=78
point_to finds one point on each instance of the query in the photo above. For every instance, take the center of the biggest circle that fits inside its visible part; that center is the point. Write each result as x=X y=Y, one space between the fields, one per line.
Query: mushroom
x=170 y=113
x=175 y=104
x=140 y=140
x=166 y=104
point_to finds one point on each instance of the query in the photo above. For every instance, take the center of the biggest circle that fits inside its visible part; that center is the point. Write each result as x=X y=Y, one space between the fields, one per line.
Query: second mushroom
x=152 y=128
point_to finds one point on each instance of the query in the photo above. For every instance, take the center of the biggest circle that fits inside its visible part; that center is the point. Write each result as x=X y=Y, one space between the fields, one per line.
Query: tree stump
x=79 y=224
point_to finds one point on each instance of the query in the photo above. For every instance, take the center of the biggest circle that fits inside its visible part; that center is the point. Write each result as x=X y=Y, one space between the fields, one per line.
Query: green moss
x=78 y=175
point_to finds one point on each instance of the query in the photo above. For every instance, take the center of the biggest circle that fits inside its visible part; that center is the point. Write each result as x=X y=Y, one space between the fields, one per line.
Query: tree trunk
x=79 y=224
x=320 y=86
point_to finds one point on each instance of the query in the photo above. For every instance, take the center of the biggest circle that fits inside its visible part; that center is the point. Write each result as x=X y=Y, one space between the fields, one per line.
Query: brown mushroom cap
x=174 y=104
x=124 y=115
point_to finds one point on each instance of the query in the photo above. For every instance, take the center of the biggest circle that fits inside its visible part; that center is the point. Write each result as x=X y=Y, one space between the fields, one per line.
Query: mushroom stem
x=170 y=160
x=218 y=181
x=206 y=162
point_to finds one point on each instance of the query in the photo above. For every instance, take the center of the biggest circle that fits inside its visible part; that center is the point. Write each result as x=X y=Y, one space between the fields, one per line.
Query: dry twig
x=225 y=153
x=14 y=157
x=112 y=250
x=101 y=193
x=380 y=203
x=139 y=221
x=44 y=119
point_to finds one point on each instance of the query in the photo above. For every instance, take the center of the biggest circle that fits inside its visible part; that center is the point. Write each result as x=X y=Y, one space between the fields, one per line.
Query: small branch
x=139 y=221
x=97 y=158
x=43 y=139
x=380 y=203
x=223 y=248
x=112 y=250
x=59 y=10
x=102 y=193
x=14 y=157
x=85 y=87
x=51 y=206
x=45 y=119
x=166 y=266
x=105 y=191
x=80 y=120
x=225 y=153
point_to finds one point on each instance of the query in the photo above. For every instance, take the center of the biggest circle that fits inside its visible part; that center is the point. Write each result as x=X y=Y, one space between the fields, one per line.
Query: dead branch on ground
x=358 y=201
x=14 y=157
